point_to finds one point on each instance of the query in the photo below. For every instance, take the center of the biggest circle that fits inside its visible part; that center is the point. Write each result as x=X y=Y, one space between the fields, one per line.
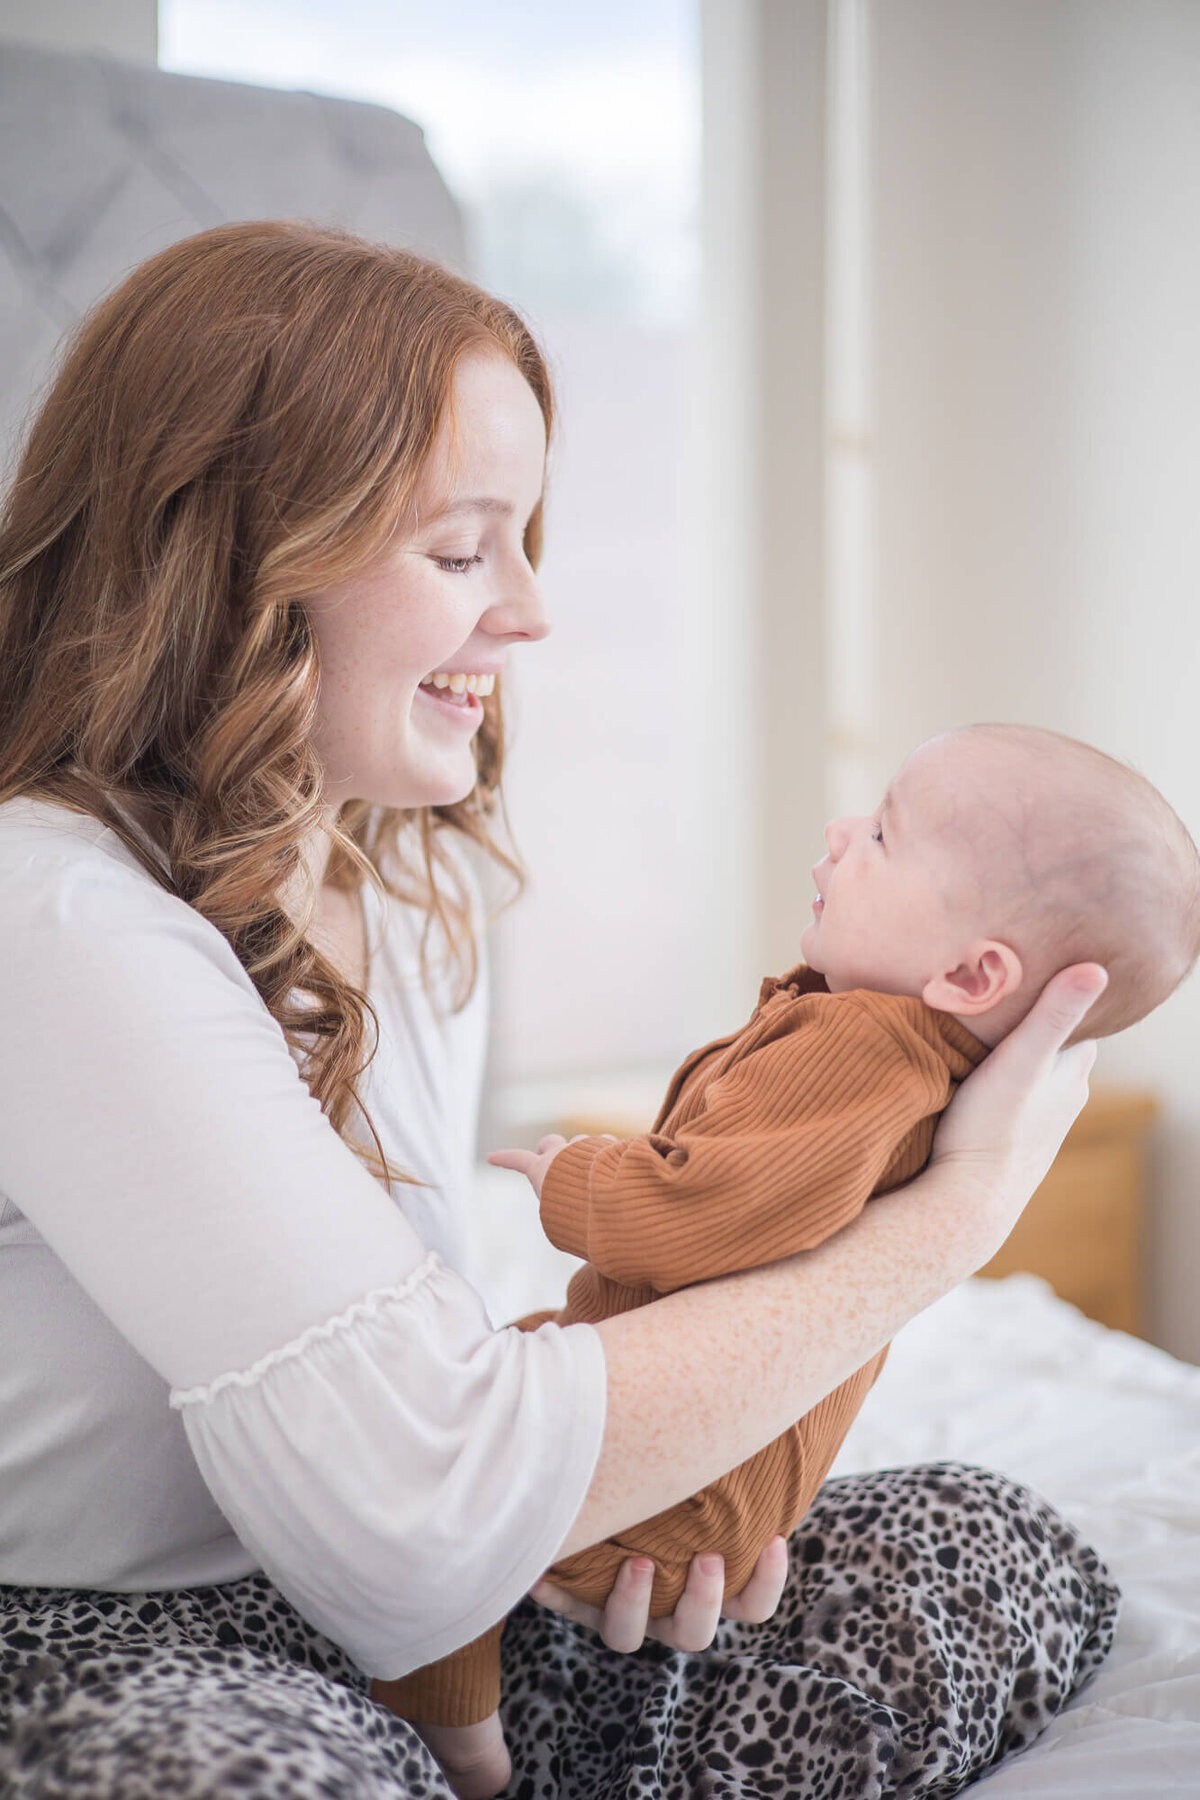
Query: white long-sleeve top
x=223 y=1345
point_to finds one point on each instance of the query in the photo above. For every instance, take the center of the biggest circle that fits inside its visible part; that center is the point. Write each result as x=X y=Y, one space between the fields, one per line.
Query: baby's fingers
x=523 y=1161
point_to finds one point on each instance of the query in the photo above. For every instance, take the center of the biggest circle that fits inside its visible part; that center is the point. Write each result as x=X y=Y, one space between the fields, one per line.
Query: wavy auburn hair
x=239 y=424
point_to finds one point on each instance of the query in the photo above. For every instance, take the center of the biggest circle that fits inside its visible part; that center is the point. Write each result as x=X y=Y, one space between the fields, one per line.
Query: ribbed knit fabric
x=767 y=1143
x=459 y=1690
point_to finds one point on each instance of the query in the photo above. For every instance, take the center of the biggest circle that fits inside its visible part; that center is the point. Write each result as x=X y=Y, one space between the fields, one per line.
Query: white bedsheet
x=1108 y=1429
x=1105 y=1426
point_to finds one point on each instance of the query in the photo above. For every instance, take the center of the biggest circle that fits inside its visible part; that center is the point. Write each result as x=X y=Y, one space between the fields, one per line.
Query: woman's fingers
x=693 y=1624
x=1059 y=1010
x=624 y=1623
x=627 y=1609
x=1005 y=1125
x=1015 y=1109
x=761 y=1595
x=623 y=1620
x=556 y=1599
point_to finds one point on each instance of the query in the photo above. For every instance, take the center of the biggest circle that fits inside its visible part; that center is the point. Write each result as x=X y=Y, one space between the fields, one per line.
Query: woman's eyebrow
x=469 y=504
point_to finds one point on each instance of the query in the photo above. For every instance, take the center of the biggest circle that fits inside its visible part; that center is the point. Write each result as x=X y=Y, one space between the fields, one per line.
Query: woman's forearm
x=703 y=1378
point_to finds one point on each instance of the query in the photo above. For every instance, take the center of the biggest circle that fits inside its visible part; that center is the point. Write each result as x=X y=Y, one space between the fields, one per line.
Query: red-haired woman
x=272 y=537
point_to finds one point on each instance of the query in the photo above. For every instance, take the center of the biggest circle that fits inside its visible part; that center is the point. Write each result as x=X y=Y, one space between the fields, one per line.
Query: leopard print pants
x=936 y=1619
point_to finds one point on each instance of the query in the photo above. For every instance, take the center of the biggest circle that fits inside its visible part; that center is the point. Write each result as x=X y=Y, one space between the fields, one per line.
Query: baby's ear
x=990 y=972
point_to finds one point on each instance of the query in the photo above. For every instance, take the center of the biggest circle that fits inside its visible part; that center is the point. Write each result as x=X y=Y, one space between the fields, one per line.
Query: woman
x=284 y=493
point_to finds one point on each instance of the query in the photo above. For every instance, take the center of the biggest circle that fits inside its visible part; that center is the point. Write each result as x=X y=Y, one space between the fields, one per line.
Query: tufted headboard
x=104 y=162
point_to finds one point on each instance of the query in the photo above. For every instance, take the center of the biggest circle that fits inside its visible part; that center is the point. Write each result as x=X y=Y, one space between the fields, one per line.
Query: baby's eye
x=457 y=565
x=877 y=834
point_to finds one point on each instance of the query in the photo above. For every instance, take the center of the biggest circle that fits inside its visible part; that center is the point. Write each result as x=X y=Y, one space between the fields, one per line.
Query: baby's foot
x=474 y=1757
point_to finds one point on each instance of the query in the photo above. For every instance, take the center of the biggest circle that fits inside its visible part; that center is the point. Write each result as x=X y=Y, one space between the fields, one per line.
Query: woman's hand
x=1004 y=1127
x=624 y=1622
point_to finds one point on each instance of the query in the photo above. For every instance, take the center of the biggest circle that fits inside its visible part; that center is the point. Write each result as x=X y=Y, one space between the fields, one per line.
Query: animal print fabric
x=936 y=1619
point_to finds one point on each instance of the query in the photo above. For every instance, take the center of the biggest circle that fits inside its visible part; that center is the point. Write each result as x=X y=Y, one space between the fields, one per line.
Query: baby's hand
x=532 y=1163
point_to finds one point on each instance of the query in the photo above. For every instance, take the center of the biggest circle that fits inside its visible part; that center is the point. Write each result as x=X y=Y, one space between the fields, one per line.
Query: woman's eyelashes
x=457 y=565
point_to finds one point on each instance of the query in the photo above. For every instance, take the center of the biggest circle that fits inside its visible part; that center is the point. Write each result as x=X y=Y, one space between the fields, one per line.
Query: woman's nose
x=522 y=613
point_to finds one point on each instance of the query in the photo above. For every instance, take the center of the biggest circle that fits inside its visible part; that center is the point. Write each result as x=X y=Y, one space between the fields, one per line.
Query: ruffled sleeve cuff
x=402 y=1472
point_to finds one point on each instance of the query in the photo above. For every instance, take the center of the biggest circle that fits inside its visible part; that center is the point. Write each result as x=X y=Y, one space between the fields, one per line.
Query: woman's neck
x=338 y=925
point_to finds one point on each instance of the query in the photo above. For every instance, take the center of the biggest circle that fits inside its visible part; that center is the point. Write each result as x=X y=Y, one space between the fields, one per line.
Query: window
x=570 y=137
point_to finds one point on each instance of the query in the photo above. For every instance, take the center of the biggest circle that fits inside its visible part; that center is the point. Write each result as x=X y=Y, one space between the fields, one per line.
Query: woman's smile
x=458 y=682
x=463 y=706
x=459 y=692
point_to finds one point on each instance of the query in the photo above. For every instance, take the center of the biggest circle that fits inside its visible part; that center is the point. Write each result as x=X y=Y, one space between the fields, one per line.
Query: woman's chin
x=427 y=786
x=447 y=786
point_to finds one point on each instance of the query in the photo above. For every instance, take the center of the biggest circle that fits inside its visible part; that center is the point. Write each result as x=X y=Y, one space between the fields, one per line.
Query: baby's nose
x=837 y=836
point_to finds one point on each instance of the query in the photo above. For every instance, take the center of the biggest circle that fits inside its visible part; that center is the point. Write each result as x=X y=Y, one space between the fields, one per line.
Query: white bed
x=1105 y=1426
x=1108 y=1429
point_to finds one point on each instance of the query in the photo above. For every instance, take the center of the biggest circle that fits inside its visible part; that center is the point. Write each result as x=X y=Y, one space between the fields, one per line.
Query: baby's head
x=999 y=855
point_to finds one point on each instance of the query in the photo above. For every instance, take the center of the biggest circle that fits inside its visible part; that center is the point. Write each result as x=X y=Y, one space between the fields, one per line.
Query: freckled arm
x=700 y=1380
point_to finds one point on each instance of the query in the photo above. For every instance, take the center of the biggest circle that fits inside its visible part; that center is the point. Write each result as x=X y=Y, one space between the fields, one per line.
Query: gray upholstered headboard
x=103 y=162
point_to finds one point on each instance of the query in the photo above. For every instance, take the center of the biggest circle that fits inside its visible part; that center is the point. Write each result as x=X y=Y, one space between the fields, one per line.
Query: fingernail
x=712 y=1565
x=642 y=1566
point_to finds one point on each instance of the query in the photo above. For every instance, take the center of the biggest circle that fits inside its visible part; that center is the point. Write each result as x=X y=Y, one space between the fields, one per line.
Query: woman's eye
x=457 y=565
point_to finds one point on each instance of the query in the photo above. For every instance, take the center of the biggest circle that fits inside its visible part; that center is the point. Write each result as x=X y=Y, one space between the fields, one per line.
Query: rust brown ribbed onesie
x=767 y=1143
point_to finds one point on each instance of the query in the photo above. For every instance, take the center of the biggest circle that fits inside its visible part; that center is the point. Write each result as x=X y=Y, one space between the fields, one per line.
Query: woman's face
x=447 y=597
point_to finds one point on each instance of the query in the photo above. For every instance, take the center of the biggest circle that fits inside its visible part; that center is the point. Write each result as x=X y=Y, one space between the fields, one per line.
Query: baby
x=999 y=855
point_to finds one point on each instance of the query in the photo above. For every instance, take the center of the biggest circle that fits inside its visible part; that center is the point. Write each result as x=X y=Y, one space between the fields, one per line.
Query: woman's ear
x=990 y=972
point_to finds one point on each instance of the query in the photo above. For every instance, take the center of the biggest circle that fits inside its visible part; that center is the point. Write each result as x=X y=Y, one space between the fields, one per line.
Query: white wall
x=125 y=28
x=684 y=519
x=591 y=967
x=1037 y=380
x=755 y=655
x=1023 y=455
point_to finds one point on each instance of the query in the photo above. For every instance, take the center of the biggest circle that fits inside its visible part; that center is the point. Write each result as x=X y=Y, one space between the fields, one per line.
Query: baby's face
x=895 y=904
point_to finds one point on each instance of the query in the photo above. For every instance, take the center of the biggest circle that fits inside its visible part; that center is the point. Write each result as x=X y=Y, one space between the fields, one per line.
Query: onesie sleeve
x=792 y=1141
x=403 y=1471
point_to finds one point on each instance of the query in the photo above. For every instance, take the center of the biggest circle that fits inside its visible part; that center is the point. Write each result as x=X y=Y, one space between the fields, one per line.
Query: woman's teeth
x=462 y=684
